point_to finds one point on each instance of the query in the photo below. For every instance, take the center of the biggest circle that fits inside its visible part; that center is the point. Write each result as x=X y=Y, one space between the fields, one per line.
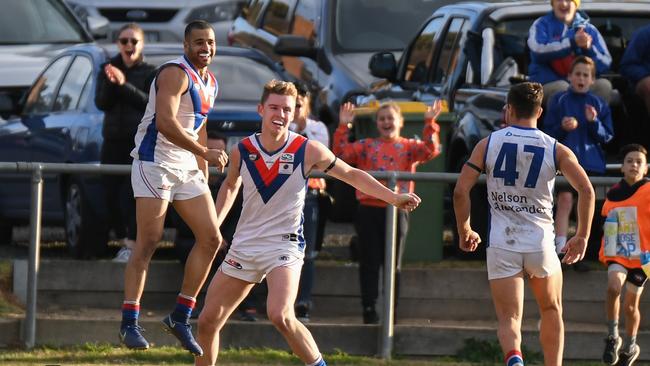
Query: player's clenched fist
x=407 y=201
x=469 y=241
x=217 y=157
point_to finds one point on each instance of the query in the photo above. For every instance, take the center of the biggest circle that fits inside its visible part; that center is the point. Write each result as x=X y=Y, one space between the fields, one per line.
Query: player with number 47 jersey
x=520 y=163
x=520 y=168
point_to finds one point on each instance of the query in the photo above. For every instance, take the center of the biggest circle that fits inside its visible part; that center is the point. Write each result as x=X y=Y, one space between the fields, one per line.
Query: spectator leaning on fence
x=388 y=152
x=582 y=122
x=558 y=37
x=626 y=238
x=122 y=91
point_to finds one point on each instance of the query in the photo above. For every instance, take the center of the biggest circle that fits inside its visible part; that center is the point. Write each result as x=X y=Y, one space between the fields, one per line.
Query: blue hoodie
x=635 y=64
x=550 y=40
x=586 y=139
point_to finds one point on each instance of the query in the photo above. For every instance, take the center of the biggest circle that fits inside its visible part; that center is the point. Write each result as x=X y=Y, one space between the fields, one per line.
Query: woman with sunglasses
x=122 y=92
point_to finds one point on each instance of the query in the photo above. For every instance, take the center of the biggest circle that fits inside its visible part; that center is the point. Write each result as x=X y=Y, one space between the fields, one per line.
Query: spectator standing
x=581 y=121
x=520 y=164
x=627 y=235
x=313 y=130
x=558 y=37
x=121 y=92
x=635 y=64
x=388 y=152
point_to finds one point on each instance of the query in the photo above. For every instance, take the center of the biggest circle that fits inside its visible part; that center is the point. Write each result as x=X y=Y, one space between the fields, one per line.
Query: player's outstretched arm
x=321 y=158
x=229 y=188
x=573 y=172
x=468 y=238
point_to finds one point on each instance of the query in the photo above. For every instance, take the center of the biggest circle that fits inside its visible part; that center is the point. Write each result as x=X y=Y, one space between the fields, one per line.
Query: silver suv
x=31 y=33
x=162 y=20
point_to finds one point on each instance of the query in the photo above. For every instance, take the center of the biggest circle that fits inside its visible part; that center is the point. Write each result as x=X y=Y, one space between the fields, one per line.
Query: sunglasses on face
x=124 y=41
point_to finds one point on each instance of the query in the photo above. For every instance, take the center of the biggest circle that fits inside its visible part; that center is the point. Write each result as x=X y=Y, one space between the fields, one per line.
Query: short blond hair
x=278 y=87
x=389 y=105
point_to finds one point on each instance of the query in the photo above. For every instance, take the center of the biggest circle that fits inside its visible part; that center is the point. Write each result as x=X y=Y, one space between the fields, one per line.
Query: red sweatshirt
x=378 y=154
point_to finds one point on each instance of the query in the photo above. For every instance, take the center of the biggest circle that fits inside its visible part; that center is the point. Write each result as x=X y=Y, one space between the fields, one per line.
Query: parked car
x=470 y=53
x=61 y=124
x=327 y=44
x=162 y=21
x=31 y=33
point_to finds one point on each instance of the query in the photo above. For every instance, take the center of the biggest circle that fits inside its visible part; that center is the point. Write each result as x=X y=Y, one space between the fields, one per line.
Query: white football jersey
x=195 y=104
x=274 y=185
x=521 y=168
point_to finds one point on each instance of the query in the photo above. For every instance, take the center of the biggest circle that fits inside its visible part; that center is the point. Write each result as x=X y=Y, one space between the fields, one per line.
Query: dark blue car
x=61 y=124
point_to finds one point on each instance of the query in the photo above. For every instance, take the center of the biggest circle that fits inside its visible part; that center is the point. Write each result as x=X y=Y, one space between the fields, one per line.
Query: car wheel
x=6 y=234
x=86 y=234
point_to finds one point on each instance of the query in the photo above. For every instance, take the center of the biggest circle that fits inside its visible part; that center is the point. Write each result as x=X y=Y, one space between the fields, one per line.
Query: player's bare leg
x=200 y=215
x=508 y=298
x=150 y=217
x=224 y=295
x=283 y=289
x=548 y=293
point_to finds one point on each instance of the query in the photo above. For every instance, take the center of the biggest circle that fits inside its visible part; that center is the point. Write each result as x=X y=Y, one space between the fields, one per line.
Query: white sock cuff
x=187 y=297
x=318 y=360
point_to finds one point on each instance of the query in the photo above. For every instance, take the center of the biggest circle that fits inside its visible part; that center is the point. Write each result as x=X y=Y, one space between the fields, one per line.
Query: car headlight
x=216 y=12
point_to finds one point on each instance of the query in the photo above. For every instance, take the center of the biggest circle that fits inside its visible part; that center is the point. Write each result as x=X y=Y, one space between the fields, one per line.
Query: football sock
x=612 y=328
x=319 y=362
x=130 y=312
x=629 y=342
x=183 y=310
x=514 y=358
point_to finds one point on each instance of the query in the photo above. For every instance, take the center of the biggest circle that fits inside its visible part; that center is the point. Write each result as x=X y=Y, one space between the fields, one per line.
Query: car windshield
x=38 y=21
x=240 y=78
x=373 y=25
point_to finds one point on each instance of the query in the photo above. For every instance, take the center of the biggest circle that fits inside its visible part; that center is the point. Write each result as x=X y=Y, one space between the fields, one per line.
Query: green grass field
x=104 y=354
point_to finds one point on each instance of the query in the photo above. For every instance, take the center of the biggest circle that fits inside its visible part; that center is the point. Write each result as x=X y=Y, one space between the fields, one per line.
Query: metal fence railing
x=37 y=169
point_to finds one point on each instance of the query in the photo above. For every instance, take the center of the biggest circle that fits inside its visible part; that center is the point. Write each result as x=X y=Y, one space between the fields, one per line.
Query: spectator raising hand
x=388 y=152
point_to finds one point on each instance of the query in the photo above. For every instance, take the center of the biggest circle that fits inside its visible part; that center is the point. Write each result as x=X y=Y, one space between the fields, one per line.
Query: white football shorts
x=254 y=266
x=502 y=263
x=156 y=181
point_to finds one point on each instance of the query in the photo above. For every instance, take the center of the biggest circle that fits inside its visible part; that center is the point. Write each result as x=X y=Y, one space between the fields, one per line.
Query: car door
x=52 y=143
x=306 y=23
x=275 y=21
x=444 y=71
x=18 y=146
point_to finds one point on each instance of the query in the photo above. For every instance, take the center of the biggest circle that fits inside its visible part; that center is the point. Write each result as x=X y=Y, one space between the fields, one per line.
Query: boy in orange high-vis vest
x=626 y=237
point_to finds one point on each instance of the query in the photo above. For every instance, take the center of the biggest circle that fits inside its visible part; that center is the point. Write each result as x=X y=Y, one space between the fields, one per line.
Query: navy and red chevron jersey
x=274 y=187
